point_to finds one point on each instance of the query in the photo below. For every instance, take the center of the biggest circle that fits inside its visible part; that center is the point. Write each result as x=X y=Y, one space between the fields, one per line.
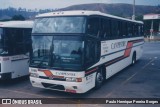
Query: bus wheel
x=99 y=79
x=133 y=58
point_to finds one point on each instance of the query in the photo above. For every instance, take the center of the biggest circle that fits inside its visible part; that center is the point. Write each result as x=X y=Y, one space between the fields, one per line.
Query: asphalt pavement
x=141 y=80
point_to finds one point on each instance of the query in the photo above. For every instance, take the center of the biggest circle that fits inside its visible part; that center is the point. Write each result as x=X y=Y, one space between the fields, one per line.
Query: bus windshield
x=57 y=52
x=59 y=25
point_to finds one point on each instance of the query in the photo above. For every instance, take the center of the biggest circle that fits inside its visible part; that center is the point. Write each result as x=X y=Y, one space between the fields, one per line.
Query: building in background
x=152 y=26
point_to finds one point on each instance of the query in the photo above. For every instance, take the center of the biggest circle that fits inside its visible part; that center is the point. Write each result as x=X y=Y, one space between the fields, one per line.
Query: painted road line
x=148 y=64
x=133 y=75
x=21 y=92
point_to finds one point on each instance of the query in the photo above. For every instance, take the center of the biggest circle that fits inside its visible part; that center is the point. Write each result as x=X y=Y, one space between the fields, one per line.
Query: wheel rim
x=133 y=61
x=99 y=78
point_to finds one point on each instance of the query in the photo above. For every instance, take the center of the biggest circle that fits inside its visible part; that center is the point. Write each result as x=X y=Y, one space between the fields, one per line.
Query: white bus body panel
x=89 y=80
x=17 y=65
x=107 y=55
x=118 y=66
x=82 y=87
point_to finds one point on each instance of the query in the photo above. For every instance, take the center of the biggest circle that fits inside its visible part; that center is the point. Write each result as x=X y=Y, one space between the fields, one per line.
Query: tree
x=140 y=17
x=18 y=17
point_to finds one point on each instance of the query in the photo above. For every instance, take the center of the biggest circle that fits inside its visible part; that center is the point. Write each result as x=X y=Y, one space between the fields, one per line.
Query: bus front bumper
x=5 y=76
x=72 y=87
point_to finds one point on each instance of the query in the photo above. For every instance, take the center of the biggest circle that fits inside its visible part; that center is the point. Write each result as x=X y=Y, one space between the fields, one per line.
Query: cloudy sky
x=42 y=4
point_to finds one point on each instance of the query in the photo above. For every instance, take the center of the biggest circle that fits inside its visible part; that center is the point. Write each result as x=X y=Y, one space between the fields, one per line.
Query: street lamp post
x=151 y=30
x=133 y=16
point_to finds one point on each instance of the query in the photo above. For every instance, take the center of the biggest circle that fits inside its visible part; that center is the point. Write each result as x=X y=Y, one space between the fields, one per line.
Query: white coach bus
x=15 y=45
x=74 y=51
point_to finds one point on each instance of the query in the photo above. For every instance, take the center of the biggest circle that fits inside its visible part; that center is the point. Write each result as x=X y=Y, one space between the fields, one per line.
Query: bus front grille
x=54 y=86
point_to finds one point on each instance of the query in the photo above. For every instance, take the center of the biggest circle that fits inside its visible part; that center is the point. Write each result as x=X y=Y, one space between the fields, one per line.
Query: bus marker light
x=72 y=79
x=79 y=79
x=34 y=75
x=70 y=91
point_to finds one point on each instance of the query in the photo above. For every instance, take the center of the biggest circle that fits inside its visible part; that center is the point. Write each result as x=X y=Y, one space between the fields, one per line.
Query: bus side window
x=105 y=29
x=89 y=54
x=124 y=29
x=120 y=31
x=5 y=39
x=139 y=30
x=135 y=32
x=93 y=27
x=114 y=26
x=11 y=40
x=27 y=40
x=142 y=30
x=130 y=30
x=21 y=41
x=18 y=39
x=92 y=52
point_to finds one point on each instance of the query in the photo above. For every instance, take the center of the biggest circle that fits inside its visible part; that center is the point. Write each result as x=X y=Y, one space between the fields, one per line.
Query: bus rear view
x=15 y=45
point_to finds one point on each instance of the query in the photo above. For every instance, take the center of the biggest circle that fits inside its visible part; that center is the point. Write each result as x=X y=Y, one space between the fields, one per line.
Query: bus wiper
x=51 y=54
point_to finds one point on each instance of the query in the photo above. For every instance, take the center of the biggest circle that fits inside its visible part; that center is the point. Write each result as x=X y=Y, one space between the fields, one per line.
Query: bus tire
x=134 y=58
x=99 y=79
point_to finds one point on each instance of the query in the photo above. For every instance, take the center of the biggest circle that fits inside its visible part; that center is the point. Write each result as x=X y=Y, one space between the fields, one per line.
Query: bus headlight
x=71 y=79
x=34 y=75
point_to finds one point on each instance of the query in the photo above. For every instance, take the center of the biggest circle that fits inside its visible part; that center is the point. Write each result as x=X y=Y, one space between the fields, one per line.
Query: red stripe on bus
x=91 y=70
x=50 y=75
x=128 y=49
x=117 y=59
x=126 y=54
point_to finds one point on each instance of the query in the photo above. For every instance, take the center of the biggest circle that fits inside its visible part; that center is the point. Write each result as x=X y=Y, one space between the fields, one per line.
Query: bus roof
x=83 y=13
x=16 y=24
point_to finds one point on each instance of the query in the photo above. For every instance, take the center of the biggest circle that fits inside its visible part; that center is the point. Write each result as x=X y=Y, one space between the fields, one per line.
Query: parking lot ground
x=138 y=81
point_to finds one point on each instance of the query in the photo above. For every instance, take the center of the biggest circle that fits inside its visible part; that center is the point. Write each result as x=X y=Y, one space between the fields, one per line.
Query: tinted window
x=93 y=27
x=124 y=29
x=1 y=46
x=142 y=30
x=115 y=31
x=130 y=29
x=120 y=33
x=135 y=32
x=92 y=52
x=57 y=52
x=17 y=41
x=105 y=28
x=59 y=25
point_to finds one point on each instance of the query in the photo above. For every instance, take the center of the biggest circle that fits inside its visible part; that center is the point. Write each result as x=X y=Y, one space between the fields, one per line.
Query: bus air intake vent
x=54 y=86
